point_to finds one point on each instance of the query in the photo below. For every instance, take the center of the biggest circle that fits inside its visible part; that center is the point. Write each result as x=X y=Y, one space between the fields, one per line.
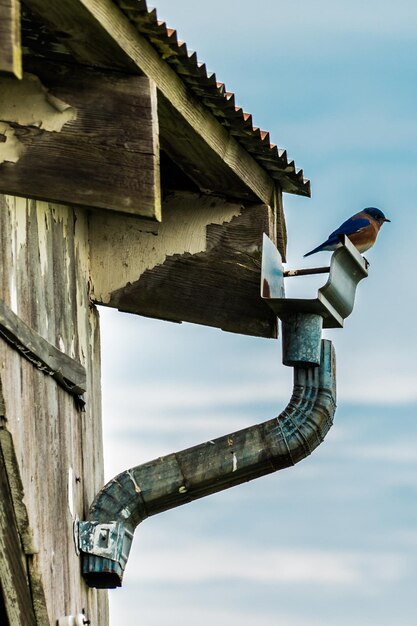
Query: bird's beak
x=386 y=220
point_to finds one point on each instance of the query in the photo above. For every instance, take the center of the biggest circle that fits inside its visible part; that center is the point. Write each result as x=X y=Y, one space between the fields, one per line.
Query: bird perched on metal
x=362 y=229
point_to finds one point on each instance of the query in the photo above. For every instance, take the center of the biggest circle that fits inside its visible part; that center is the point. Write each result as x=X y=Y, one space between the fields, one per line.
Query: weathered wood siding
x=44 y=279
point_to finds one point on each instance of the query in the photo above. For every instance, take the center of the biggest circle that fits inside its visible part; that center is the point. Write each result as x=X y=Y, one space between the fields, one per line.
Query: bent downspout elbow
x=181 y=477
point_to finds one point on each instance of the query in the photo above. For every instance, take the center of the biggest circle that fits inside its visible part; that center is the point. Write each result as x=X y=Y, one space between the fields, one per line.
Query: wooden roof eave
x=98 y=33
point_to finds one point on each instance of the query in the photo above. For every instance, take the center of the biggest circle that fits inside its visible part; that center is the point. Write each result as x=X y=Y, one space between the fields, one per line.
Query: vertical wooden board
x=280 y=228
x=81 y=136
x=44 y=277
x=10 y=49
x=14 y=584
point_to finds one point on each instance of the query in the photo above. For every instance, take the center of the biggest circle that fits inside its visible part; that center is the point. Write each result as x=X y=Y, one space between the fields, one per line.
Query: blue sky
x=332 y=541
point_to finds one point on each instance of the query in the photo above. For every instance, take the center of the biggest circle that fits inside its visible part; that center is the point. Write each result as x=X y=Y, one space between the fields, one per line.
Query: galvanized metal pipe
x=178 y=478
x=301 y=339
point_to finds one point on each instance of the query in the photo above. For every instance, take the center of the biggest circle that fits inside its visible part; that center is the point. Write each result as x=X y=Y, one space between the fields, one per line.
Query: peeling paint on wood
x=201 y=265
x=28 y=103
x=11 y=149
x=90 y=138
x=123 y=248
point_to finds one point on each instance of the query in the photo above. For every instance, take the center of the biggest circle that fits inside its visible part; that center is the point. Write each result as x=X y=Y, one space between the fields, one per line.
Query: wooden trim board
x=67 y=372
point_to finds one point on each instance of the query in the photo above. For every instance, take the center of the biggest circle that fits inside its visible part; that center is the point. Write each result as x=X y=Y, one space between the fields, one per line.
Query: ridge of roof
x=215 y=97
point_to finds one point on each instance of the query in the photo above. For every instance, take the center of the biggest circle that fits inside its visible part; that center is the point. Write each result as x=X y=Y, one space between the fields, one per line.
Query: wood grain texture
x=98 y=33
x=93 y=140
x=70 y=374
x=212 y=171
x=14 y=584
x=280 y=228
x=44 y=274
x=201 y=265
x=10 y=49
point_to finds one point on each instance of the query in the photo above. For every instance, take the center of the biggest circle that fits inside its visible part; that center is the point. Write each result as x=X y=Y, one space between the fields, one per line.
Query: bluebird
x=362 y=229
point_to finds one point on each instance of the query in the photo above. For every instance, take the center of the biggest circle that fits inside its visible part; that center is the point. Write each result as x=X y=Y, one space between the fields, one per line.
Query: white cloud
x=211 y=560
x=178 y=394
x=191 y=615
x=396 y=452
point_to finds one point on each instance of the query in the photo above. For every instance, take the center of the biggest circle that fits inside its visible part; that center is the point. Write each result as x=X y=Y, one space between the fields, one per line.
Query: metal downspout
x=105 y=537
x=184 y=476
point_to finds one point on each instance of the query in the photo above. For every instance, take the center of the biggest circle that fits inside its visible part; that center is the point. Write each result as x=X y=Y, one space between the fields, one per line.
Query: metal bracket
x=303 y=319
x=110 y=542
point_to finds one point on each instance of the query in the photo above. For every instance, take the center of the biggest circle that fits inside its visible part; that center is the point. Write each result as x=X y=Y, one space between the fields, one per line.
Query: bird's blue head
x=376 y=214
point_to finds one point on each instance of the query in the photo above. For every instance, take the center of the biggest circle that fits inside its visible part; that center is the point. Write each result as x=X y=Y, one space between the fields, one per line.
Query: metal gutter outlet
x=105 y=538
x=303 y=319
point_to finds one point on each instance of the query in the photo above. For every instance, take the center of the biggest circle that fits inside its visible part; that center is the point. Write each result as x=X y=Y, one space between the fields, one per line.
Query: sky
x=333 y=540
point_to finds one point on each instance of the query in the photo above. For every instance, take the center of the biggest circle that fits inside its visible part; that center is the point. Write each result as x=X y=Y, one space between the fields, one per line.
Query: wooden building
x=129 y=178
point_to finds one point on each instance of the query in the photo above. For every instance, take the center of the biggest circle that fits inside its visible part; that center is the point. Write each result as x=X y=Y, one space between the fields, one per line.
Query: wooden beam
x=10 y=49
x=201 y=264
x=82 y=137
x=68 y=373
x=98 y=33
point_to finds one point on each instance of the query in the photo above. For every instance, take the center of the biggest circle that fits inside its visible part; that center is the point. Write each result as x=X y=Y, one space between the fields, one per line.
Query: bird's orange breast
x=365 y=237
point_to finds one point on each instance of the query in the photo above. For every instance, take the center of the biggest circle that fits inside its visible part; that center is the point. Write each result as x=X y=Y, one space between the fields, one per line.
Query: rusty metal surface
x=181 y=477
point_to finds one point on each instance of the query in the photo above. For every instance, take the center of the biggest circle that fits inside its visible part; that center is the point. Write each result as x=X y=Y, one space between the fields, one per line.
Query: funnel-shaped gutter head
x=303 y=319
x=184 y=476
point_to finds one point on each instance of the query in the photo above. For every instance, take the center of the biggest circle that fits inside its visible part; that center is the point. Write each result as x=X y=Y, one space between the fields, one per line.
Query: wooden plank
x=13 y=577
x=10 y=49
x=70 y=374
x=15 y=486
x=11 y=466
x=201 y=265
x=81 y=136
x=98 y=33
